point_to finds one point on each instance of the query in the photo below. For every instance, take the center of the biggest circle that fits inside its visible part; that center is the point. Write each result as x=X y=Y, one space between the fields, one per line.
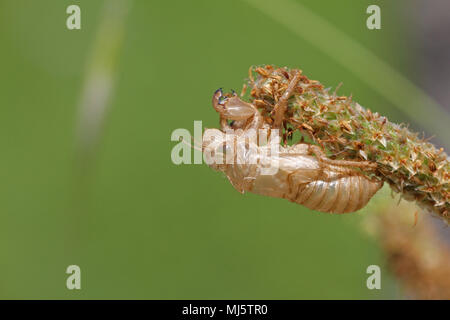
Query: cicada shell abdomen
x=340 y=195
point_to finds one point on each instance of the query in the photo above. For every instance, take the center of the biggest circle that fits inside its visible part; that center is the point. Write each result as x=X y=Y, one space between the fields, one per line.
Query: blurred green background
x=137 y=225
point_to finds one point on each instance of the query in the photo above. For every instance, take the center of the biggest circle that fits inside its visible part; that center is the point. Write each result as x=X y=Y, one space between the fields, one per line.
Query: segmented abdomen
x=342 y=195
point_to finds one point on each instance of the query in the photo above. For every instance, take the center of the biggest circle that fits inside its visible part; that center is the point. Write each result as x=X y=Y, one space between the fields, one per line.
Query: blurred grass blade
x=375 y=72
x=100 y=74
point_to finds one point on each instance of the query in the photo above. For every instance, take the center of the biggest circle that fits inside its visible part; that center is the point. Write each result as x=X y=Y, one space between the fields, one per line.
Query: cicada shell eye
x=218 y=100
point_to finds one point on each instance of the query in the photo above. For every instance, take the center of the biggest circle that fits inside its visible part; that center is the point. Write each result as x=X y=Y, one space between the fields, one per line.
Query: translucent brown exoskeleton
x=304 y=174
